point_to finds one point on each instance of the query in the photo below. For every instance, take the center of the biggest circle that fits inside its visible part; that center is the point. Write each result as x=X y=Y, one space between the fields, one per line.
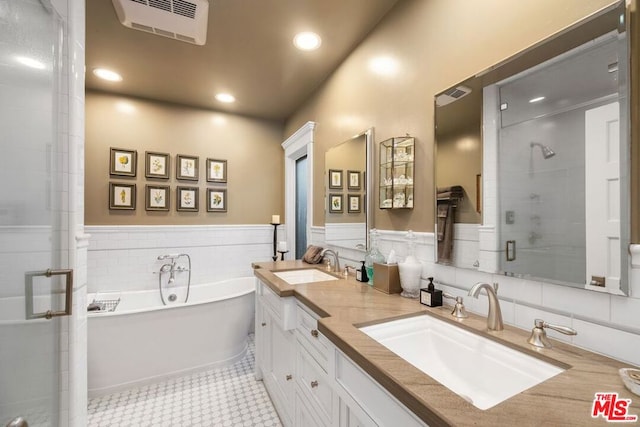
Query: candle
x=275 y=219
x=282 y=246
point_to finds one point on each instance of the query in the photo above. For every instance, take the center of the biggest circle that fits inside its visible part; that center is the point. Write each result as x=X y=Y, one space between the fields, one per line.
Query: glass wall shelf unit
x=396 y=173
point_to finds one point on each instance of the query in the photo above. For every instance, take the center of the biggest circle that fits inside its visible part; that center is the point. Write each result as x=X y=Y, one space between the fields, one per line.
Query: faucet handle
x=459 y=311
x=538 y=336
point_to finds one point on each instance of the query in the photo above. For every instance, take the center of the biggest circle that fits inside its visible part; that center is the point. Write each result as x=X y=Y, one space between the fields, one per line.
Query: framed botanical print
x=156 y=165
x=187 y=167
x=123 y=162
x=335 y=179
x=187 y=199
x=122 y=196
x=216 y=200
x=335 y=203
x=216 y=170
x=157 y=197
x=354 y=203
x=354 y=180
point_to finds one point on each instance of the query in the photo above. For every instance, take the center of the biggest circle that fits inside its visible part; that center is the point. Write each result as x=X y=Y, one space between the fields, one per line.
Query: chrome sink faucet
x=494 y=317
x=336 y=264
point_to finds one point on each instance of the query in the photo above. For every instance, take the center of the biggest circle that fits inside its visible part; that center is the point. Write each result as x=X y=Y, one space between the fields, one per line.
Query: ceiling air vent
x=451 y=95
x=184 y=20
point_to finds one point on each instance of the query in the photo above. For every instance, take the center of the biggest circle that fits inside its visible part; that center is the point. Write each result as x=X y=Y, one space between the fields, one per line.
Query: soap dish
x=631 y=379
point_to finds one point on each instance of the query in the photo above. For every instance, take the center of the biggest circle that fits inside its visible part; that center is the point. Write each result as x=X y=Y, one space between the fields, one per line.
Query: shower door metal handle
x=511 y=250
x=68 y=298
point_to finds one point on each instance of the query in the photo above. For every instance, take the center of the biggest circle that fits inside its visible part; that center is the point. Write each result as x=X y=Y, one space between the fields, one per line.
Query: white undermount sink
x=480 y=370
x=296 y=277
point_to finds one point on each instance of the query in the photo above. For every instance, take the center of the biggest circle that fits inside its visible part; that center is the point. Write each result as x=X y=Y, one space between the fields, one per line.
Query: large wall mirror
x=347 y=184
x=534 y=163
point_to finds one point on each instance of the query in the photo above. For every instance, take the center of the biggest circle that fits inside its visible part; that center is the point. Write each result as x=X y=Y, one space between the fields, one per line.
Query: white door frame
x=298 y=145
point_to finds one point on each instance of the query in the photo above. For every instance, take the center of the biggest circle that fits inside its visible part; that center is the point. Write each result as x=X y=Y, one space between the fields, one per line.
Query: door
x=301 y=207
x=31 y=213
x=602 y=176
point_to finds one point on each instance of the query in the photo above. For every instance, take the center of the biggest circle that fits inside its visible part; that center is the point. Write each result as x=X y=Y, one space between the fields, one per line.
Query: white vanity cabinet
x=350 y=417
x=368 y=403
x=275 y=349
x=313 y=385
x=310 y=381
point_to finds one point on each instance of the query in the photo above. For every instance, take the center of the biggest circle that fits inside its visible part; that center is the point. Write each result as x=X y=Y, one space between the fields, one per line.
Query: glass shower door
x=33 y=282
x=547 y=198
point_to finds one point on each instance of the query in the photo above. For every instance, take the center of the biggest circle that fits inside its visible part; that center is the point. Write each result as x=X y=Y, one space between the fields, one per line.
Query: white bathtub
x=143 y=341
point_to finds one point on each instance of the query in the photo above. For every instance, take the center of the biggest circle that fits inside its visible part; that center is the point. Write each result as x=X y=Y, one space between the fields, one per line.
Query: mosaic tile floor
x=228 y=396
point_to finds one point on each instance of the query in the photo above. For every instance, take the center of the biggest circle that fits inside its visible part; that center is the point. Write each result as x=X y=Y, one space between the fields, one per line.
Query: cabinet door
x=260 y=342
x=304 y=416
x=348 y=418
x=313 y=383
x=281 y=361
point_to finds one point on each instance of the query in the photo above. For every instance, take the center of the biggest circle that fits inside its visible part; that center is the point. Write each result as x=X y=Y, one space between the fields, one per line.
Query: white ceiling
x=249 y=53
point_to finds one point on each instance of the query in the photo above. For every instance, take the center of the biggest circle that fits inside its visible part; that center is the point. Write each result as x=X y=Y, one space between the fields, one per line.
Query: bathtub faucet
x=171 y=267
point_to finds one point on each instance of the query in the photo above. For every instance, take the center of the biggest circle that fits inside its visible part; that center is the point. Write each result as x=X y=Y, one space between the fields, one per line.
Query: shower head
x=547 y=152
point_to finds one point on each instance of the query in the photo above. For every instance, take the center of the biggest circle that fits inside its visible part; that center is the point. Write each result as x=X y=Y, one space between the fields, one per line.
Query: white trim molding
x=298 y=145
x=634 y=251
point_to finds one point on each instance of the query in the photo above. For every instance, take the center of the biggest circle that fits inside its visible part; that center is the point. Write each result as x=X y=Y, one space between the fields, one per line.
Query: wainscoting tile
x=612 y=342
x=591 y=304
x=625 y=311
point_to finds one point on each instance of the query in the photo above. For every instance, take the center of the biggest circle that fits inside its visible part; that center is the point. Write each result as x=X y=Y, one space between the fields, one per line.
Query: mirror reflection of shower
x=547 y=152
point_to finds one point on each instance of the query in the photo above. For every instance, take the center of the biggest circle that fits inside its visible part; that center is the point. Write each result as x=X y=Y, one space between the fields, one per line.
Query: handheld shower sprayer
x=170 y=256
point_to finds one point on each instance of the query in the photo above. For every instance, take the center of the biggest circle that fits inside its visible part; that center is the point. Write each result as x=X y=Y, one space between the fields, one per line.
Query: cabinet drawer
x=283 y=309
x=382 y=407
x=314 y=384
x=316 y=343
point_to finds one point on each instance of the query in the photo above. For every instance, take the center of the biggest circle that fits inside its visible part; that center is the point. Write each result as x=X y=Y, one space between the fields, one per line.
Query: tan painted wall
x=435 y=43
x=251 y=147
x=459 y=160
x=349 y=155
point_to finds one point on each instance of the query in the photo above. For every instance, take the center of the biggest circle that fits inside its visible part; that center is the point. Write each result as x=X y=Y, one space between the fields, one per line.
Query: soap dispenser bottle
x=373 y=254
x=361 y=273
x=431 y=296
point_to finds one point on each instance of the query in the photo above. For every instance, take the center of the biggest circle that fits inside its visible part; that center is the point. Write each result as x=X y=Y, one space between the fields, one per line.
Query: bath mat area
x=228 y=396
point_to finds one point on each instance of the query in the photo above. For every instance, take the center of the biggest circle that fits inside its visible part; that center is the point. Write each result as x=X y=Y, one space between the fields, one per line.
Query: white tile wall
x=607 y=324
x=125 y=257
x=73 y=381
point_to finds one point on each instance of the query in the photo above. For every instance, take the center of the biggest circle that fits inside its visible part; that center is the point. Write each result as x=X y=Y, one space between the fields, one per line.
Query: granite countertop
x=563 y=400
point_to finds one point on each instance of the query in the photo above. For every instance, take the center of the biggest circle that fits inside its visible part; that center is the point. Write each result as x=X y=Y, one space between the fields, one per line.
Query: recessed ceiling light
x=307 y=41
x=227 y=98
x=30 y=62
x=537 y=99
x=109 y=75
